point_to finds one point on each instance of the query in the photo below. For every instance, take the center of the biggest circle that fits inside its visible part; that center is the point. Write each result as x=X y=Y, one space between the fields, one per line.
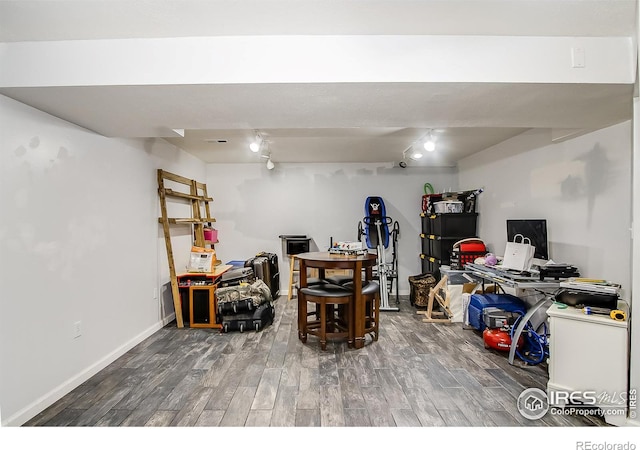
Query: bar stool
x=329 y=323
x=294 y=274
x=371 y=297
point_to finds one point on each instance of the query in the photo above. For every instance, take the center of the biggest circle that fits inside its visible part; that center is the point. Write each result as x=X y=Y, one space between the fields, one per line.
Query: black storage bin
x=461 y=225
x=431 y=265
x=441 y=248
x=426 y=223
x=425 y=244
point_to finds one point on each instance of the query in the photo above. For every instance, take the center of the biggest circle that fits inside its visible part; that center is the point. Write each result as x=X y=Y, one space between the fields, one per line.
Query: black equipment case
x=252 y=320
x=265 y=267
x=576 y=297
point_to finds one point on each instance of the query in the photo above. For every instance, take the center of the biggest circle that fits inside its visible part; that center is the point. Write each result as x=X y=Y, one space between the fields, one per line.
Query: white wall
x=581 y=186
x=79 y=225
x=79 y=241
x=253 y=206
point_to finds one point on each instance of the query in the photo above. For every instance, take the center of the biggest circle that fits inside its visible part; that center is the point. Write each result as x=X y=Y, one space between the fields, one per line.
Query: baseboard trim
x=63 y=389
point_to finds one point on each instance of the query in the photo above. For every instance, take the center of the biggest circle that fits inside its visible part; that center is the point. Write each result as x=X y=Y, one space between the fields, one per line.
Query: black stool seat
x=312 y=282
x=326 y=290
x=368 y=287
x=339 y=279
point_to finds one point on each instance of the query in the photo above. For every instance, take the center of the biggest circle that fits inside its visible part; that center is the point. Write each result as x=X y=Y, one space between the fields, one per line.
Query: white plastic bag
x=201 y=260
x=518 y=255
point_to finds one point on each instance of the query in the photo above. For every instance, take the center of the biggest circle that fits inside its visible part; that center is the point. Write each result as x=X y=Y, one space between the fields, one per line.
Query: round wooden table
x=355 y=263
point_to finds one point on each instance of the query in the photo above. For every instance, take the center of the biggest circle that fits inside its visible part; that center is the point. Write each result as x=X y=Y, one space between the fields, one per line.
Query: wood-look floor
x=415 y=375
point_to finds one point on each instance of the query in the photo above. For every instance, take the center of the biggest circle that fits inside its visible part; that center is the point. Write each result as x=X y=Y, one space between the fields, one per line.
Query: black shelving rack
x=440 y=231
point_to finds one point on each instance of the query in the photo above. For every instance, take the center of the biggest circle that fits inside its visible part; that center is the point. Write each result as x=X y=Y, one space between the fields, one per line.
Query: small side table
x=197 y=294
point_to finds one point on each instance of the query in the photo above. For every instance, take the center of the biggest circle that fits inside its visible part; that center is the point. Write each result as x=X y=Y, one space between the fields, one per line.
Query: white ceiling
x=325 y=122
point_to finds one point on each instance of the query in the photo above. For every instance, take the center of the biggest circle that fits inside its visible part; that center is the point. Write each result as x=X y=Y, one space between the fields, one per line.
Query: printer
x=588 y=292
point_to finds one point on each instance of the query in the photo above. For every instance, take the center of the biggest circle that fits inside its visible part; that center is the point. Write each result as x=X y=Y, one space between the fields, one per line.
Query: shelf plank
x=172 y=193
x=163 y=174
x=187 y=221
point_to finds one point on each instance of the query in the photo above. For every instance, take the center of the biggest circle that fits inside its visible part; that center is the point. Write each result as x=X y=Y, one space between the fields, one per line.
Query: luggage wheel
x=241 y=327
x=226 y=327
x=257 y=327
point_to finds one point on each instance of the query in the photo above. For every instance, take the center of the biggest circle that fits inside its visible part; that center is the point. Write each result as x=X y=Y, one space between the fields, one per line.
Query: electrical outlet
x=577 y=57
x=77 y=329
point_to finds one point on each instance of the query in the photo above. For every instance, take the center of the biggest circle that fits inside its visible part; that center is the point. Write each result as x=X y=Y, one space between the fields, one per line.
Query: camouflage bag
x=257 y=292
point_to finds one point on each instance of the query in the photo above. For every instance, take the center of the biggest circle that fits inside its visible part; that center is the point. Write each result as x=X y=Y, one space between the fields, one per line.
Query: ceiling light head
x=430 y=145
x=270 y=164
x=256 y=144
x=416 y=154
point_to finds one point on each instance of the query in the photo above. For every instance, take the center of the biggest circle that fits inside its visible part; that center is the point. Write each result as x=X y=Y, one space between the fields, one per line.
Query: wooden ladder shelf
x=200 y=215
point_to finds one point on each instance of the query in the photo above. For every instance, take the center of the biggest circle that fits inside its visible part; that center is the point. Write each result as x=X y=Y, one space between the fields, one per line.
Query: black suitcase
x=265 y=267
x=237 y=306
x=255 y=320
x=237 y=276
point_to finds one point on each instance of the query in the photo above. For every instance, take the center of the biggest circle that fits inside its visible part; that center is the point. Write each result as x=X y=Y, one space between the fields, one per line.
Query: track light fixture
x=267 y=156
x=407 y=155
x=256 y=143
x=429 y=144
x=416 y=150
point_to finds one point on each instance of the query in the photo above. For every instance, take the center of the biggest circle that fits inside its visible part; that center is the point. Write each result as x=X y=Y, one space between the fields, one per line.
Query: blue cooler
x=479 y=302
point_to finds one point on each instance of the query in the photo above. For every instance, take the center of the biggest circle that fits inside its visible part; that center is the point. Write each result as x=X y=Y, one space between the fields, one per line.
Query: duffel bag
x=257 y=291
